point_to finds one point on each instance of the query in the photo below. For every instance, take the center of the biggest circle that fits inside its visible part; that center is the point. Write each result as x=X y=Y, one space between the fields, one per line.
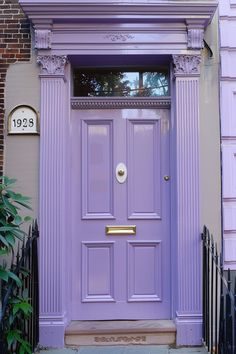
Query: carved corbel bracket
x=187 y=65
x=43 y=39
x=195 y=38
x=52 y=65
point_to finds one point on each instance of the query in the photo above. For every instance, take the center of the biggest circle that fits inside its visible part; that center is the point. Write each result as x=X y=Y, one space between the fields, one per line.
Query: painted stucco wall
x=210 y=169
x=227 y=12
x=15 y=47
x=22 y=151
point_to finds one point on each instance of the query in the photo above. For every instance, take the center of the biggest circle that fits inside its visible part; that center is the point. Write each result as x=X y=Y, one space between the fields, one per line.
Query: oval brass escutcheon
x=121 y=172
x=166 y=178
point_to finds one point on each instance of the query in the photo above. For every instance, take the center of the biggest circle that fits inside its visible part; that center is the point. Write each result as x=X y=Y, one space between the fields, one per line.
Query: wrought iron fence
x=219 y=301
x=24 y=266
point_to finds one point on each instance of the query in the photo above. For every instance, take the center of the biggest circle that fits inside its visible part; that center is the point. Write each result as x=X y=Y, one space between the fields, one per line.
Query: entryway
x=120 y=214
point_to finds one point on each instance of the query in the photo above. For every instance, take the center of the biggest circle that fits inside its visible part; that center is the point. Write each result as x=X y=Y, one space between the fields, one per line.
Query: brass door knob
x=166 y=178
x=121 y=173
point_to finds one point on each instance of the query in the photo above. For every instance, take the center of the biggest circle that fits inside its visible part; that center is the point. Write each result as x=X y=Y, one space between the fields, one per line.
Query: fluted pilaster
x=188 y=314
x=52 y=200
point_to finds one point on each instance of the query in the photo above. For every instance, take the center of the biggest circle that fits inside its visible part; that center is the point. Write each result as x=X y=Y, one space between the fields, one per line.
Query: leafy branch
x=15 y=305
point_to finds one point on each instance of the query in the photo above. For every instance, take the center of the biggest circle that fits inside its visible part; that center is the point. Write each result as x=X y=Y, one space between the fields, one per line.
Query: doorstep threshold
x=120 y=326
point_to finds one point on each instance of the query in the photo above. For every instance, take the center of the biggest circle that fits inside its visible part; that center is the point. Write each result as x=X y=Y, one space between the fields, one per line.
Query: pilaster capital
x=52 y=65
x=195 y=38
x=187 y=65
x=43 y=39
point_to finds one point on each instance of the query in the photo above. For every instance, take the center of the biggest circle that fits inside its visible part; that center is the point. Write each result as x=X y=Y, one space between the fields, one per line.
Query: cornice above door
x=197 y=12
x=170 y=26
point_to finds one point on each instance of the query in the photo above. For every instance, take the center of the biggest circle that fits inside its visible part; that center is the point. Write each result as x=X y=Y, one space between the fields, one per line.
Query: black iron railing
x=24 y=266
x=219 y=301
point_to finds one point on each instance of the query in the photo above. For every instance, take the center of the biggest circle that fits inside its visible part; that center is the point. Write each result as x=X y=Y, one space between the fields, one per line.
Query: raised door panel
x=97 y=169
x=144 y=160
x=97 y=271
x=144 y=271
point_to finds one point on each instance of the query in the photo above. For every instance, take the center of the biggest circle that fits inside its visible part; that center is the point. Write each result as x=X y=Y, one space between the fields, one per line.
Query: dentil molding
x=52 y=64
x=187 y=65
x=119 y=102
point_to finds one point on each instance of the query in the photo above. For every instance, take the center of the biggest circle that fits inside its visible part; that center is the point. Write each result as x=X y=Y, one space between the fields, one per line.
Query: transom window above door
x=119 y=83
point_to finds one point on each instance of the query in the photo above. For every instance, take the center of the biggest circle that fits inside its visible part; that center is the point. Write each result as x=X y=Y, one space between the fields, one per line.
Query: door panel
x=120 y=276
x=98 y=271
x=144 y=154
x=97 y=167
x=144 y=271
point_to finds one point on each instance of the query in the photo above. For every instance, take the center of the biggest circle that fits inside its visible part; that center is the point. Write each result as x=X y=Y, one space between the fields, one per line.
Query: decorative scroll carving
x=118 y=37
x=43 y=39
x=114 y=103
x=195 y=38
x=187 y=65
x=52 y=64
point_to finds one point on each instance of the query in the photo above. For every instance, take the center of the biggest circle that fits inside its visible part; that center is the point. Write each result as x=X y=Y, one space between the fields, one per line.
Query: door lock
x=166 y=178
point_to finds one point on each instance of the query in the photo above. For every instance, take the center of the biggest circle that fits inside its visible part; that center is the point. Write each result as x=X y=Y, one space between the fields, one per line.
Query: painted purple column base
x=189 y=330
x=51 y=334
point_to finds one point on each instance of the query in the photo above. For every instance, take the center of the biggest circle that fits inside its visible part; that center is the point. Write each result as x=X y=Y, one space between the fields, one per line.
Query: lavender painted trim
x=119 y=102
x=195 y=38
x=187 y=65
x=52 y=64
x=53 y=200
x=203 y=11
x=187 y=174
x=43 y=39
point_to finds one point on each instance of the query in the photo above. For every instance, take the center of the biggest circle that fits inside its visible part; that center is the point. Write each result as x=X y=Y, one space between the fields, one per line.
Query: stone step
x=120 y=332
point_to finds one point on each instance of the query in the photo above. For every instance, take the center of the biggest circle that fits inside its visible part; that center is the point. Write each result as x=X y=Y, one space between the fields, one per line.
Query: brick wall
x=15 y=46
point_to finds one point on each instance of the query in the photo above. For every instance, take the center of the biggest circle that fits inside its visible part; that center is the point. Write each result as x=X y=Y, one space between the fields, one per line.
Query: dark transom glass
x=110 y=83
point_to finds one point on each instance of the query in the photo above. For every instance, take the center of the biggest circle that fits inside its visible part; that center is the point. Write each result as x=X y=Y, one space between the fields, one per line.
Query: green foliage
x=15 y=308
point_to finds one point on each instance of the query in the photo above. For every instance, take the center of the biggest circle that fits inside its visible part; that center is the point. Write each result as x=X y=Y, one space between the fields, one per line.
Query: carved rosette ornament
x=43 y=39
x=52 y=64
x=187 y=65
x=195 y=38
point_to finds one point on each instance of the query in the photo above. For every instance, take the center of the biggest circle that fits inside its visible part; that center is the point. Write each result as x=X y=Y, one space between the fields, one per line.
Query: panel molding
x=157 y=271
x=155 y=213
x=86 y=194
x=86 y=246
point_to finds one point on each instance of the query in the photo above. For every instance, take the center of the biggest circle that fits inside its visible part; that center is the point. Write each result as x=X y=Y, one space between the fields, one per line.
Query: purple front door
x=120 y=214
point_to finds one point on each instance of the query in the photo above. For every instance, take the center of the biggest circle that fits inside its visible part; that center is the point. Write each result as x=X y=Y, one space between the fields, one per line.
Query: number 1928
x=23 y=123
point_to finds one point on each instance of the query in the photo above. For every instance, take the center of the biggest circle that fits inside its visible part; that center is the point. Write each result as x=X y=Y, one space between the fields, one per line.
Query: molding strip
x=119 y=102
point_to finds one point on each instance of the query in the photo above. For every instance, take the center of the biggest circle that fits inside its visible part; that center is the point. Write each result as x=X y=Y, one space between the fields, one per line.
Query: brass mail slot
x=121 y=230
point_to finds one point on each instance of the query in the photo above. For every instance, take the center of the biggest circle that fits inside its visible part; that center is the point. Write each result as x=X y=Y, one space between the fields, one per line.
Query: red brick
x=14 y=45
